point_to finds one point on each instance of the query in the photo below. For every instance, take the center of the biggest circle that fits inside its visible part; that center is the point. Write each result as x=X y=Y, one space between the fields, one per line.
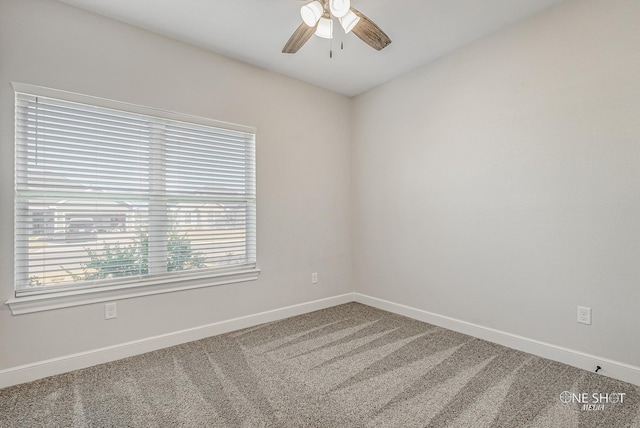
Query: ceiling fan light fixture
x=349 y=21
x=311 y=13
x=325 y=28
x=322 y=26
x=339 y=8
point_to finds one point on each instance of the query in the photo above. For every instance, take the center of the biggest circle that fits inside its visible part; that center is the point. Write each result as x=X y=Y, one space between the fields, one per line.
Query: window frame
x=26 y=301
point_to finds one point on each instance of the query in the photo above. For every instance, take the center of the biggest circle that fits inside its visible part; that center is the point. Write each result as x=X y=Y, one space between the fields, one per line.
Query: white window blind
x=108 y=196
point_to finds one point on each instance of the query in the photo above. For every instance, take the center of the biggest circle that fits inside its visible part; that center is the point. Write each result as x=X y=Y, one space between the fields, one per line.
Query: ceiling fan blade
x=370 y=33
x=299 y=37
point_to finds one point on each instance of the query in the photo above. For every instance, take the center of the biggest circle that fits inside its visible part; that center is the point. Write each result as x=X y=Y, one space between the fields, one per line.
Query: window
x=114 y=195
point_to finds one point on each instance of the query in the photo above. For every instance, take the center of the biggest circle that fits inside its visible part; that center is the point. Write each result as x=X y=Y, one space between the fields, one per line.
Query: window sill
x=65 y=299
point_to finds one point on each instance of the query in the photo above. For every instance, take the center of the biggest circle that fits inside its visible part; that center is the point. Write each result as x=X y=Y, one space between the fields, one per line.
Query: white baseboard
x=610 y=368
x=42 y=369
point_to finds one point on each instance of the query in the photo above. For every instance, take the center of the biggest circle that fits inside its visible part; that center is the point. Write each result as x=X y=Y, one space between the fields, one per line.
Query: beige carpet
x=347 y=366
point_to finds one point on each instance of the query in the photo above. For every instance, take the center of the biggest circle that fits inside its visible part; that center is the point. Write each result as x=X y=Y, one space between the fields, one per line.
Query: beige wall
x=501 y=185
x=303 y=176
x=498 y=186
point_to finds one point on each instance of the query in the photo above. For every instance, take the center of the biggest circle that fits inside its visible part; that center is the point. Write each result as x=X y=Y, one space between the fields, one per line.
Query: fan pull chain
x=330 y=48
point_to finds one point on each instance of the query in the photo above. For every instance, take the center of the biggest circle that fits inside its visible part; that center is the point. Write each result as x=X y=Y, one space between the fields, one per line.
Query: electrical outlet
x=584 y=315
x=110 y=311
x=314 y=278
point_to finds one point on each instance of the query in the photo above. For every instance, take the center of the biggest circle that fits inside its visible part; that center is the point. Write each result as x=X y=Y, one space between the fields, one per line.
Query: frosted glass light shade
x=311 y=13
x=339 y=8
x=349 y=21
x=325 y=28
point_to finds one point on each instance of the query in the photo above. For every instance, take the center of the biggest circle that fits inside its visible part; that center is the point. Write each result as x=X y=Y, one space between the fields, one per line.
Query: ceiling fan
x=318 y=18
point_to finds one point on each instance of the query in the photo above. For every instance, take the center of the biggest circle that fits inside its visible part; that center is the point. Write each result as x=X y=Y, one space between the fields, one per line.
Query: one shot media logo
x=592 y=401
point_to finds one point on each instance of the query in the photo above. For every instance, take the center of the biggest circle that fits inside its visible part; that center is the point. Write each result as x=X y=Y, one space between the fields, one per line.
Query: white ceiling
x=254 y=31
